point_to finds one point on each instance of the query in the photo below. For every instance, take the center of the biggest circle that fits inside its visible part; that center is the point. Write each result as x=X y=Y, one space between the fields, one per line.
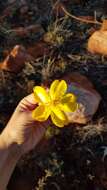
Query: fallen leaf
x=97 y=43
x=104 y=25
x=38 y=49
x=15 y=61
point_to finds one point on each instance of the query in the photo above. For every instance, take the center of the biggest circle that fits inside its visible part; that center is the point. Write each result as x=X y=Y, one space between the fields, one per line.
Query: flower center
x=53 y=103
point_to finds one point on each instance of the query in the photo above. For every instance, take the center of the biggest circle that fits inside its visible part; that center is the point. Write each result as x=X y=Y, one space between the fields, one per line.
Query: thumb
x=28 y=103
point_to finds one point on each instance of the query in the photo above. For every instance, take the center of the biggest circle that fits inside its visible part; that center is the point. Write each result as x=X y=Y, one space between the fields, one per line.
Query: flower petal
x=69 y=107
x=61 y=89
x=53 y=88
x=41 y=113
x=69 y=98
x=41 y=95
x=59 y=113
x=56 y=120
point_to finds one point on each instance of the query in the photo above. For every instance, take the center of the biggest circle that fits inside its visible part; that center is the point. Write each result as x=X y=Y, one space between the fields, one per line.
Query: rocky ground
x=39 y=44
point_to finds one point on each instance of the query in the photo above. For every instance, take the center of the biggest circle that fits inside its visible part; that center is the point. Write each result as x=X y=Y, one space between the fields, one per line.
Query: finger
x=28 y=103
x=31 y=99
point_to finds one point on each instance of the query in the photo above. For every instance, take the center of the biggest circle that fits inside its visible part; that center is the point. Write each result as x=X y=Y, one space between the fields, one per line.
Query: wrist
x=9 y=156
x=7 y=144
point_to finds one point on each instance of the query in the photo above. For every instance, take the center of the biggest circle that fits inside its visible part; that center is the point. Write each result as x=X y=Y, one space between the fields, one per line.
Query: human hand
x=22 y=130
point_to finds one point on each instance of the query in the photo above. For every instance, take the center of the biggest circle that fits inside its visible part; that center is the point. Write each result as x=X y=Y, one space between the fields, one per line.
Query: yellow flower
x=54 y=103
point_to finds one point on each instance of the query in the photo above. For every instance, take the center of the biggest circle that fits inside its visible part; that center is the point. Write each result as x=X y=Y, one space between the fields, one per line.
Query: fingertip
x=28 y=103
x=30 y=98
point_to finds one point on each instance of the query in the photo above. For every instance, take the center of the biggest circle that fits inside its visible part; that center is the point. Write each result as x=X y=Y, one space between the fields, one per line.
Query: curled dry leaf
x=97 y=43
x=104 y=25
x=87 y=97
x=15 y=61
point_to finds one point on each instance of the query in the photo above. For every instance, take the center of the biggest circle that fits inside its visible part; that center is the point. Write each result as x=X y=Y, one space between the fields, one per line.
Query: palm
x=32 y=135
x=24 y=130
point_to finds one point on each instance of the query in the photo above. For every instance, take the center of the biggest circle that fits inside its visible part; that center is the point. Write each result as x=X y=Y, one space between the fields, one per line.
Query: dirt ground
x=75 y=159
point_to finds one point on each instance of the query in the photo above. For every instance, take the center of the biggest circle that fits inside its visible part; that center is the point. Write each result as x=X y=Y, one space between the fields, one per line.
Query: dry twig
x=80 y=19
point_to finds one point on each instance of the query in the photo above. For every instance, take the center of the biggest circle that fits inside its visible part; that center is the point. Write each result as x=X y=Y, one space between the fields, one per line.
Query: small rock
x=15 y=61
x=87 y=97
